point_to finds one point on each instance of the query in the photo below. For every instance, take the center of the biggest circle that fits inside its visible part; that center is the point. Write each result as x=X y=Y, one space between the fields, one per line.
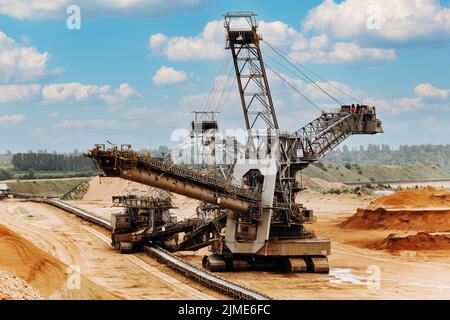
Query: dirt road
x=77 y=243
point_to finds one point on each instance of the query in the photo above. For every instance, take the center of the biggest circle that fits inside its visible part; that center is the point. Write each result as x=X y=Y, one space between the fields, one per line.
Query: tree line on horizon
x=385 y=155
x=44 y=161
x=372 y=154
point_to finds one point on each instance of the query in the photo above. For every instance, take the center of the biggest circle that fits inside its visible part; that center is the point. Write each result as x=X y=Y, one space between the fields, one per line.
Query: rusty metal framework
x=256 y=195
x=256 y=99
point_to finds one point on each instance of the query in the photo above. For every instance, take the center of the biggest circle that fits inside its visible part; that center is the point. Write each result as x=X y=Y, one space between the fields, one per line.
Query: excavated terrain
x=363 y=265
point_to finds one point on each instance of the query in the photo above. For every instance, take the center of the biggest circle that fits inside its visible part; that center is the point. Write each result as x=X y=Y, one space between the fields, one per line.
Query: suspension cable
x=293 y=87
x=207 y=100
x=292 y=72
x=219 y=87
x=289 y=60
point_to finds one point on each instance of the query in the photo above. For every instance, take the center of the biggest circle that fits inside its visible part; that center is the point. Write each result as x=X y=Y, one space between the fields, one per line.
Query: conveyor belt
x=207 y=279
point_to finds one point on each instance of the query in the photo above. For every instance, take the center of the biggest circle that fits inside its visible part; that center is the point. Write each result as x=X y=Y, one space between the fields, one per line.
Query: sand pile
x=14 y=288
x=414 y=198
x=433 y=220
x=419 y=241
x=41 y=270
x=102 y=189
x=422 y=210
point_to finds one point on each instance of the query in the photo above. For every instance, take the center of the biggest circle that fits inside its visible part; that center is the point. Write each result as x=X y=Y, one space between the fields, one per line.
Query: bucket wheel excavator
x=258 y=224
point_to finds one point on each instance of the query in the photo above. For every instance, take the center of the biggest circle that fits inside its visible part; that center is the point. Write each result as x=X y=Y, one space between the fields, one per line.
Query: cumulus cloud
x=209 y=44
x=96 y=123
x=120 y=95
x=318 y=50
x=21 y=63
x=168 y=76
x=59 y=92
x=56 y=9
x=388 y=20
x=75 y=91
x=12 y=119
x=400 y=105
x=18 y=93
x=426 y=90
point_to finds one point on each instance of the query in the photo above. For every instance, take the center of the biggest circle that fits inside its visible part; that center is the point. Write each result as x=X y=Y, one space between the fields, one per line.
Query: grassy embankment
x=49 y=188
x=370 y=173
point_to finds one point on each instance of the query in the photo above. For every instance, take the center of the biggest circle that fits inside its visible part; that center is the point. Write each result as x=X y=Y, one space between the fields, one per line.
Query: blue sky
x=135 y=70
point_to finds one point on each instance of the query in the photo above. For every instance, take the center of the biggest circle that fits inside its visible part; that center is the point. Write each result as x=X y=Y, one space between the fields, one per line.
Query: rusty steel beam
x=170 y=177
x=187 y=188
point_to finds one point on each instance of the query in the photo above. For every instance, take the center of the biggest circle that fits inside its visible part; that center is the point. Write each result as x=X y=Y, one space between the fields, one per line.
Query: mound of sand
x=14 y=288
x=414 y=198
x=434 y=220
x=102 y=189
x=419 y=241
x=422 y=210
x=41 y=270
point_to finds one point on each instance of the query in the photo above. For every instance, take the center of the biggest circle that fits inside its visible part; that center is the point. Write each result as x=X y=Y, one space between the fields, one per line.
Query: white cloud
x=391 y=20
x=396 y=105
x=168 y=75
x=426 y=90
x=18 y=93
x=75 y=91
x=21 y=63
x=12 y=119
x=317 y=51
x=120 y=95
x=59 y=92
x=56 y=9
x=276 y=32
x=209 y=44
x=96 y=123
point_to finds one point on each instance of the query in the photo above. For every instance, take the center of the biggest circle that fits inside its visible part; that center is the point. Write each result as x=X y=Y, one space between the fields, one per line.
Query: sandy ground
x=14 y=288
x=79 y=244
x=356 y=272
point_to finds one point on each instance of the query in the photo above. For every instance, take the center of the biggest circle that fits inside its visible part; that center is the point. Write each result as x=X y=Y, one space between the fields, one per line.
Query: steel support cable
x=296 y=75
x=285 y=68
x=293 y=87
x=212 y=103
x=216 y=87
x=304 y=74
x=213 y=83
x=224 y=88
x=289 y=60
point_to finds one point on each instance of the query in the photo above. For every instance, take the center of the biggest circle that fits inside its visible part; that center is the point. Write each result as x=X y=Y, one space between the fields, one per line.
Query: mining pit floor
x=38 y=243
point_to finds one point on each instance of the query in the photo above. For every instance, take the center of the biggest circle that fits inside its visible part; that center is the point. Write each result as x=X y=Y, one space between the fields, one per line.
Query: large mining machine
x=259 y=225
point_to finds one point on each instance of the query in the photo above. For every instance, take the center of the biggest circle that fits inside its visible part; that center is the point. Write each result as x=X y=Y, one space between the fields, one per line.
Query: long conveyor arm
x=156 y=173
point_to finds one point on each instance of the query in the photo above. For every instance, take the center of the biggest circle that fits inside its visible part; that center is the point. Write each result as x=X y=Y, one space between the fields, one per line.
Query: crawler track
x=207 y=279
